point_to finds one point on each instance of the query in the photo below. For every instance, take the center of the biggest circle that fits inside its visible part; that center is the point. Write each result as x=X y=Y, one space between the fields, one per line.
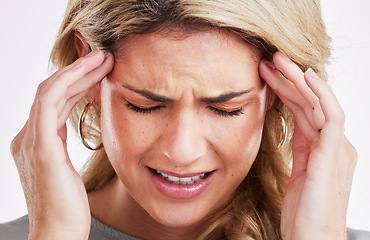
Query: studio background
x=28 y=30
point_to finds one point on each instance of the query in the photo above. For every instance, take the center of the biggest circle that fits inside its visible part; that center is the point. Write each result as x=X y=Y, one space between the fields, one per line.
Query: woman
x=189 y=99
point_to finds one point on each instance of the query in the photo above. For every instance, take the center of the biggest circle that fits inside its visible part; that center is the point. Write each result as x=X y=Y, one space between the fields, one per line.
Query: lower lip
x=176 y=191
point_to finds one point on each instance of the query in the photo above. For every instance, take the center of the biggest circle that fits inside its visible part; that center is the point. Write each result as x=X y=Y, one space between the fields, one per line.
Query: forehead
x=205 y=58
x=167 y=39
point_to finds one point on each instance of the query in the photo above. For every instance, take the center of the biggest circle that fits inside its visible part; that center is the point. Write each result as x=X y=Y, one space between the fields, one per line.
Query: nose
x=183 y=141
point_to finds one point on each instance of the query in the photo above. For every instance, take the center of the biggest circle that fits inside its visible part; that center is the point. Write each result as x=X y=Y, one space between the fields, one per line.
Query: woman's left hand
x=316 y=198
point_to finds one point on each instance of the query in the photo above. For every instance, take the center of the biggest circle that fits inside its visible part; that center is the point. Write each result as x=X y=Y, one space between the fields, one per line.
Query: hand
x=316 y=198
x=56 y=198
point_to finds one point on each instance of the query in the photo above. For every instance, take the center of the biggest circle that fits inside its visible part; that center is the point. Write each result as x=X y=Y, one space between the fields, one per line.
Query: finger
x=285 y=89
x=279 y=84
x=90 y=79
x=332 y=135
x=310 y=133
x=334 y=114
x=85 y=84
x=296 y=76
x=55 y=88
x=46 y=114
x=56 y=85
x=67 y=108
x=91 y=60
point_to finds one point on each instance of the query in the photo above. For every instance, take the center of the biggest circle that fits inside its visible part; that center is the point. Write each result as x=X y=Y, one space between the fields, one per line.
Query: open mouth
x=181 y=180
x=181 y=186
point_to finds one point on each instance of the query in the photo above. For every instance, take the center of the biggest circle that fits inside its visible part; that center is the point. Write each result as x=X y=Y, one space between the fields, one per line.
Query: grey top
x=18 y=230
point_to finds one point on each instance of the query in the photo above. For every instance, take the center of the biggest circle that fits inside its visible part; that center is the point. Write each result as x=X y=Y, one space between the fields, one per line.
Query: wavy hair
x=294 y=27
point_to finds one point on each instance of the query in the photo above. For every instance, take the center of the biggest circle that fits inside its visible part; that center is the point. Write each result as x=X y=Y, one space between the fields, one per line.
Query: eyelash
x=143 y=110
x=226 y=113
x=157 y=108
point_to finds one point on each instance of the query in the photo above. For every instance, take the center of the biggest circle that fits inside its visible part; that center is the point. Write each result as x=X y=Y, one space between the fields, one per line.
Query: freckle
x=166 y=124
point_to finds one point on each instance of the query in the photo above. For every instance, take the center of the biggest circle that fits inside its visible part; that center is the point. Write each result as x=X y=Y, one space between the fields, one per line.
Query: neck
x=114 y=206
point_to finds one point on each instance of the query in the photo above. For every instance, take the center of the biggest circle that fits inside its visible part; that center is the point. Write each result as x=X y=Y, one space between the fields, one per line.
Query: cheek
x=126 y=135
x=245 y=134
x=239 y=143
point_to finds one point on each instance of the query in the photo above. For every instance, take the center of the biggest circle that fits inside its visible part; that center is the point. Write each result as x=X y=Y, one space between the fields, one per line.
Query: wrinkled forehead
x=169 y=60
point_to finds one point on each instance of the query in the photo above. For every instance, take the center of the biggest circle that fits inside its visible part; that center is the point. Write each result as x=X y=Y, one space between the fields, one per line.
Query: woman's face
x=182 y=118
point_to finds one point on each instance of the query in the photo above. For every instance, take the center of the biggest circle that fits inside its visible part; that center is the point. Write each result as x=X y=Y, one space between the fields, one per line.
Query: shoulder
x=15 y=230
x=353 y=234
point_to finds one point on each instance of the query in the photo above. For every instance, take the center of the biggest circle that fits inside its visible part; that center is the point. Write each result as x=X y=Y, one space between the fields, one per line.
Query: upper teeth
x=179 y=180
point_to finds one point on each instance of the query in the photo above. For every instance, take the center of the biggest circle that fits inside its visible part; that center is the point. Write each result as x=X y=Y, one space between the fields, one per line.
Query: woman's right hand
x=55 y=195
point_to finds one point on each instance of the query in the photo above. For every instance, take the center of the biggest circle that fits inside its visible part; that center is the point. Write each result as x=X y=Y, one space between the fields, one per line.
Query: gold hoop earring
x=81 y=130
x=284 y=131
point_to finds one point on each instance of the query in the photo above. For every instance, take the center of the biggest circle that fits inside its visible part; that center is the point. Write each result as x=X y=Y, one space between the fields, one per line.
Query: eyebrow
x=151 y=96
x=224 y=97
x=218 y=99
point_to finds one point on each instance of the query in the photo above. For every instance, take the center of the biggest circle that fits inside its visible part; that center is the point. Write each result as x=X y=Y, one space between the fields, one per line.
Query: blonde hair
x=294 y=27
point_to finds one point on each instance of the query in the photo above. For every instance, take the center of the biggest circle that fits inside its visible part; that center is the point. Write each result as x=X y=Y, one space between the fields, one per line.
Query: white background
x=27 y=33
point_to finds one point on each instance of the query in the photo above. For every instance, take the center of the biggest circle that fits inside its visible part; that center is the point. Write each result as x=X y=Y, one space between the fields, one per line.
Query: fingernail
x=312 y=73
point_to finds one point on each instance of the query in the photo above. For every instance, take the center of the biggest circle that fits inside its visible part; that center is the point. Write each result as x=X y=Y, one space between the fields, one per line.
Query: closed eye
x=226 y=113
x=144 y=110
x=149 y=110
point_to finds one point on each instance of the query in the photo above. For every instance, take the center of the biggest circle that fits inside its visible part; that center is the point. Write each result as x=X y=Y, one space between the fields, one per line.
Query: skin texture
x=183 y=136
x=316 y=198
x=51 y=184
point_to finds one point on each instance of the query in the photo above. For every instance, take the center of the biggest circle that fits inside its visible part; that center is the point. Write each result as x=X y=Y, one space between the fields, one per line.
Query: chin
x=180 y=220
x=187 y=214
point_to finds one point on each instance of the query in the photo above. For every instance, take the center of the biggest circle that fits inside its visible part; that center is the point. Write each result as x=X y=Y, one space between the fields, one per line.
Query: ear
x=270 y=97
x=94 y=95
x=82 y=46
